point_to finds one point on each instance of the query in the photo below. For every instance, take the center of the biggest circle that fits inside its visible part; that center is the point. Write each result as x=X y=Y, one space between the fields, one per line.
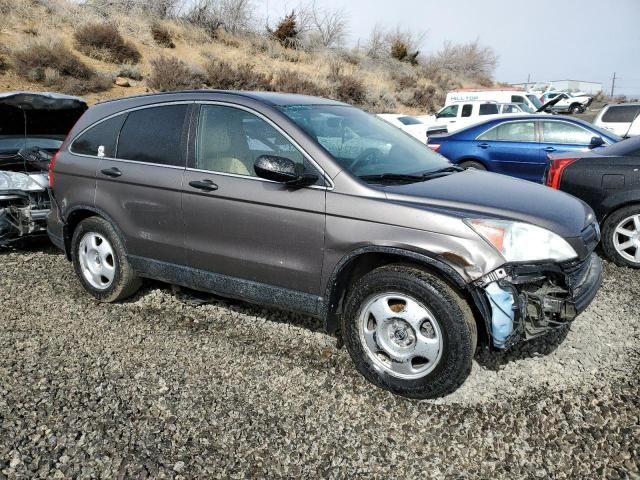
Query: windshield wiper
x=406 y=177
x=392 y=177
x=441 y=172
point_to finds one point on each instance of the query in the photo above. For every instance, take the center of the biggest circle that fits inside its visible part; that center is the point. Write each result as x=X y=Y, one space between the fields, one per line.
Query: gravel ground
x=161 y=387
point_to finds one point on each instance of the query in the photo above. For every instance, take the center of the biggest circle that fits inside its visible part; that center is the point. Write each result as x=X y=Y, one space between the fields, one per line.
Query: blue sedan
x=518 y=145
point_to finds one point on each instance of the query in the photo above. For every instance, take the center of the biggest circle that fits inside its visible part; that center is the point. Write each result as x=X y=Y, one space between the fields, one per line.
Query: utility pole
x=613 y=83
x=528 y=81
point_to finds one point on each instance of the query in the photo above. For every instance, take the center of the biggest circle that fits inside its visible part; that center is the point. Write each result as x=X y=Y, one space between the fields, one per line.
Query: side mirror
x=596 y=142
x=281 y=170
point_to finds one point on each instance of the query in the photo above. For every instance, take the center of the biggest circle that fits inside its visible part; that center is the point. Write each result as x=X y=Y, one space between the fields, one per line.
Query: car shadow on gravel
x=40 y=244
x=537 y=347
x=196 y=298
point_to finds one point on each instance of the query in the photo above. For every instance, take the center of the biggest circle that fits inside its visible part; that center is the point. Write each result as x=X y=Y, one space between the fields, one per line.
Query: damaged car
x=411 y=261
x=32 y=128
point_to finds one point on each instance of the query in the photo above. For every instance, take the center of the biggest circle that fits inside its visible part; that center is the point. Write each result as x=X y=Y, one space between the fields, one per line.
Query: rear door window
x=621 y=113
x=511 y=132
x=100 y=140
x=466 y=110
x=153 y=135
x=488 y=109
x=566 y=133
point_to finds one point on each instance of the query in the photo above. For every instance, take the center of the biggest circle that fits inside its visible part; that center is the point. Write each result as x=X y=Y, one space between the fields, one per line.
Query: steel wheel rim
x=400 y=335
x=626 y=238
x=97 y=261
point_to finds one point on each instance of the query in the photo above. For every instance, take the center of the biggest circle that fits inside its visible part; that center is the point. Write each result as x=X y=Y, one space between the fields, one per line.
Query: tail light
x=52 y=163
x=556 y=169
x=434 y=146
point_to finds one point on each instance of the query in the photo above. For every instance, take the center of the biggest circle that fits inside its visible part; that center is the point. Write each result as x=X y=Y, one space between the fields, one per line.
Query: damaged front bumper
x=526 y=301
x=23 y=214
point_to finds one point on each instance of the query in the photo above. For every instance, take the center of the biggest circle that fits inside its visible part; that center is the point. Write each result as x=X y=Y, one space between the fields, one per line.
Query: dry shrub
x=350 y=89
x=294 y=82
x=162 y=36
x=403 y=81
x=223 y=75
x=51 y=63
x=31 y=61
x=169 y=73
x=104 y=42
x=129 y=71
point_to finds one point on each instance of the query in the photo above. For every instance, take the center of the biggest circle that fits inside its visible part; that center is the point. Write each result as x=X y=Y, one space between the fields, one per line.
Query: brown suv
x=315 y=206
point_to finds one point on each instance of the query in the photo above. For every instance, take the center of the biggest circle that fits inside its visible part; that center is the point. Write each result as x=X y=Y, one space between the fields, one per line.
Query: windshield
x=362 y=143
x=536 y=102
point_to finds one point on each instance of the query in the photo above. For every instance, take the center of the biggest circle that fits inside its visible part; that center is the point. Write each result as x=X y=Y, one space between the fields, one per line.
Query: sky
x=546 y=39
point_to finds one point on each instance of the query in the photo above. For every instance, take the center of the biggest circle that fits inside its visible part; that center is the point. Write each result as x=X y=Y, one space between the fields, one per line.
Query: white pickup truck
x=462 y=114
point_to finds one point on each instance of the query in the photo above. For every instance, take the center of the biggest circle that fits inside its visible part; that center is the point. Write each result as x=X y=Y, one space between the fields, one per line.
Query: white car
x=412 y=125
x=622 y=119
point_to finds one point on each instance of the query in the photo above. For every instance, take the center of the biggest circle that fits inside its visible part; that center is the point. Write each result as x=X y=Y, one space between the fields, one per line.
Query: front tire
x=621 y=236
x=409 y=332
x=100 y=261
x=574 y=109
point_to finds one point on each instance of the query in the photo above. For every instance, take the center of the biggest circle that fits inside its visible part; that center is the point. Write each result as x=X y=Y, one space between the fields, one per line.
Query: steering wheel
x=370 y=156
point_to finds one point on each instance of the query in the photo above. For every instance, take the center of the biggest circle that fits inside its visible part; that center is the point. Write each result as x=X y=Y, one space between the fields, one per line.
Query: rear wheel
x=100 y=261
x=409 y=332
x=472 y=164
x=621 y=236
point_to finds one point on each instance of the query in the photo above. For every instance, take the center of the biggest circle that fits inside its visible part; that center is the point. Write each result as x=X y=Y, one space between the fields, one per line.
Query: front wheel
x=621 y=236
x=576 y=109
x=100 y=261
x=409 y=332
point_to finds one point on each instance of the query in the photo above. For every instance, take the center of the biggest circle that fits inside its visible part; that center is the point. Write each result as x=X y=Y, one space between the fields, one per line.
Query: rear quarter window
x=153 y=135
x=621 y=113
x=100 y=139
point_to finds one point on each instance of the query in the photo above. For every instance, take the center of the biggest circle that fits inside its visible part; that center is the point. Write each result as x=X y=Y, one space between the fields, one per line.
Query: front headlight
x=522 y=242
x=18 y=181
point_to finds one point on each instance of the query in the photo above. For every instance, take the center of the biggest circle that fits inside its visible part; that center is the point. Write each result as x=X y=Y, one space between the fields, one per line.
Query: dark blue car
x=518 y=145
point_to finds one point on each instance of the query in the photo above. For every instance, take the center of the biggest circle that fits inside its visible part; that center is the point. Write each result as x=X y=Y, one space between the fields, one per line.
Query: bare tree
x=376 y=45
x=233 y=15
x=468 y=59
x=329 y=26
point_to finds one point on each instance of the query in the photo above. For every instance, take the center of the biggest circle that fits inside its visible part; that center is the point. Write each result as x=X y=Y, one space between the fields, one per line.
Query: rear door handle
x=483 y=145
x=549 y=149
x=206 y=185
x=111 y=172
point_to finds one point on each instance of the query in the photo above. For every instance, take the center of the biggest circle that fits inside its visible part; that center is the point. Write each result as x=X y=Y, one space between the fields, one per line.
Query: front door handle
x=111 y=172
x=483 y=145
x=206 y=185
x=549 y=149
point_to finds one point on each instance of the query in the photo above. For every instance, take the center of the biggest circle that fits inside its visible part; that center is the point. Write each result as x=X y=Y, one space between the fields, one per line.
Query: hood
x=38 y=115
x=473 y=193
x=31 y=120
x=545 y=106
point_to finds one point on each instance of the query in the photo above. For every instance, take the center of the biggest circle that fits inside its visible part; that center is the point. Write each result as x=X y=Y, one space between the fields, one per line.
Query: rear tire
x=100 y=261
x=621 y=236
x=409 y=332
x=472 y=164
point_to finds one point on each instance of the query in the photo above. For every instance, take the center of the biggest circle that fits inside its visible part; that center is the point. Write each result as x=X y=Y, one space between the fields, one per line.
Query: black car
x=608 y=179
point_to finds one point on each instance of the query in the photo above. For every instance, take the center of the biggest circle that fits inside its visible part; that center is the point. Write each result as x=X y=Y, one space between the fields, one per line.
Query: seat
x=216 y=147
